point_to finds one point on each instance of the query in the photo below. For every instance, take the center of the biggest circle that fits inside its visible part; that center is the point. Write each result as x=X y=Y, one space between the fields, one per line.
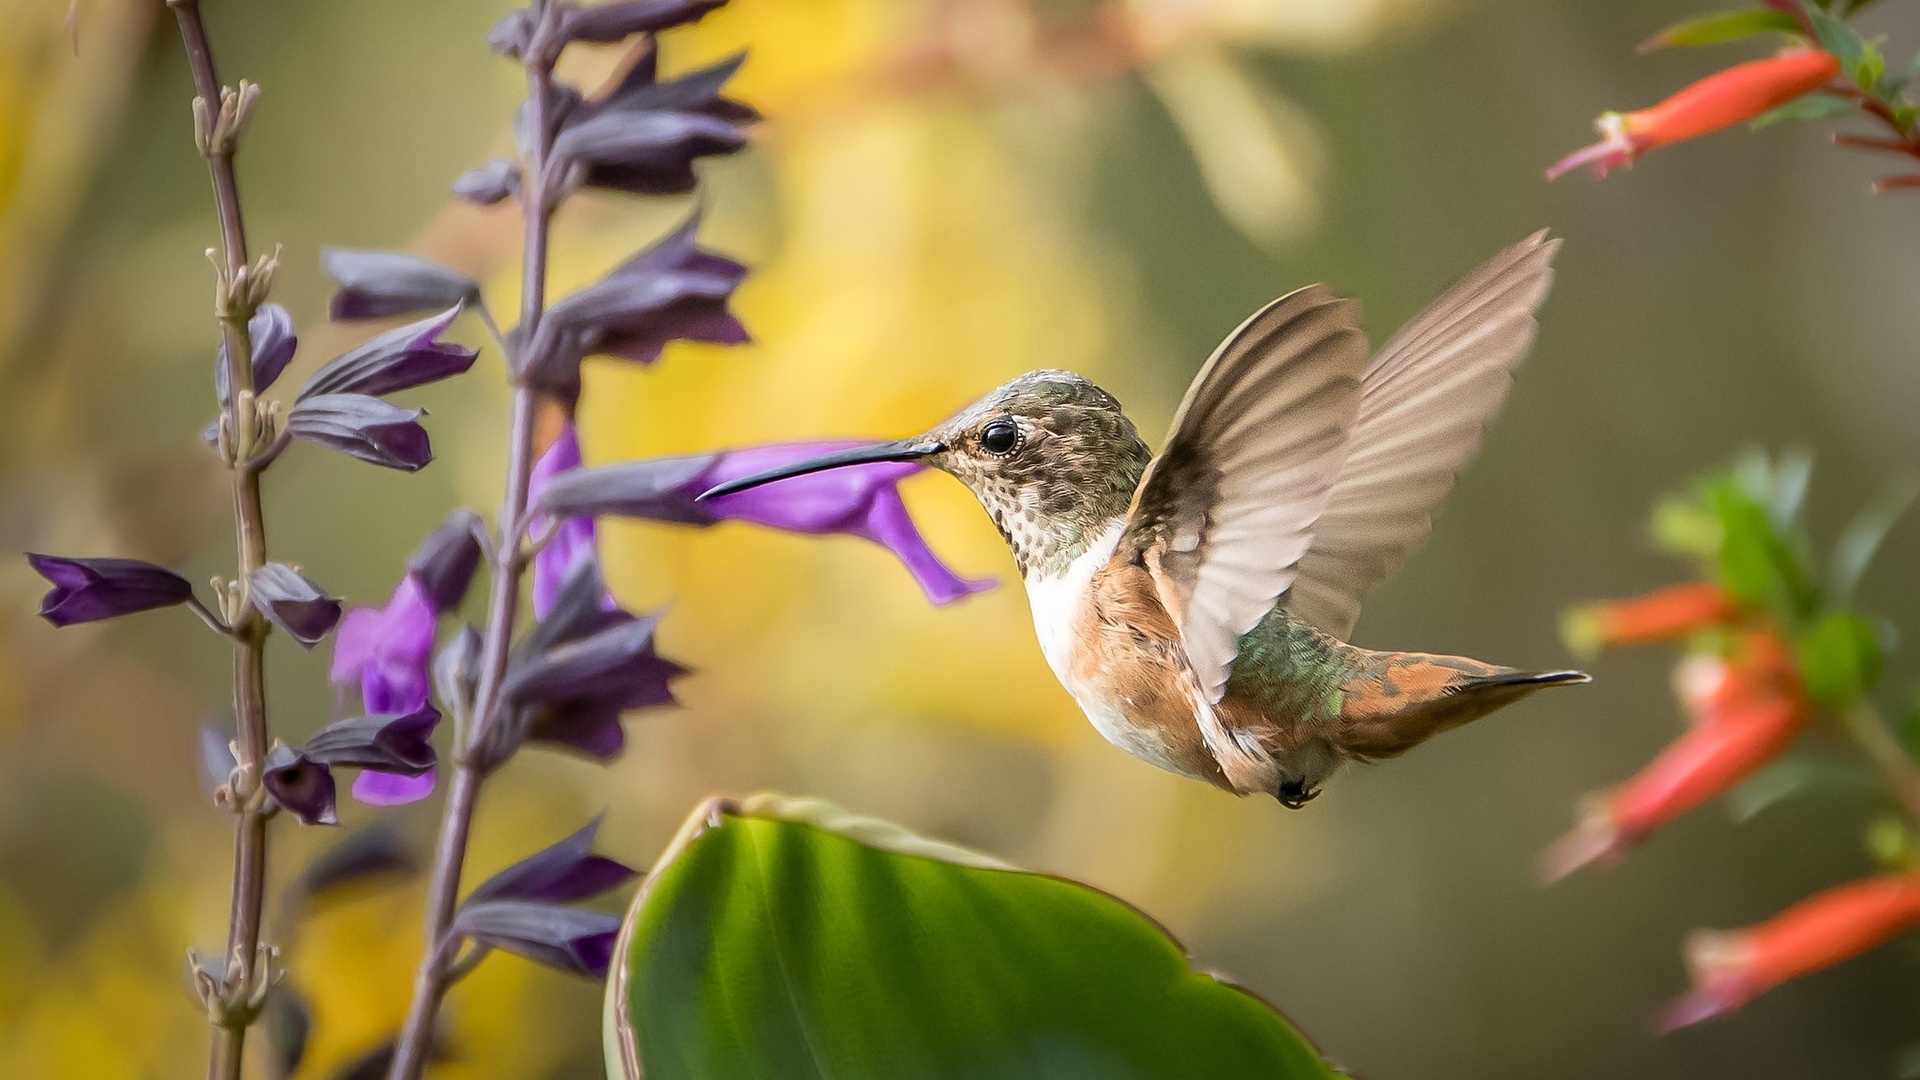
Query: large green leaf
x=785 y=938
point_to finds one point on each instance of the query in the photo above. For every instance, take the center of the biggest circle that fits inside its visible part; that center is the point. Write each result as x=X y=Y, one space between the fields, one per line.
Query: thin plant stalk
x=237 y=988
x=437 y=963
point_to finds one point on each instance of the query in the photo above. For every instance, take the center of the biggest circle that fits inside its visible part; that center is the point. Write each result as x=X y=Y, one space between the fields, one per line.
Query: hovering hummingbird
x=1196 y=603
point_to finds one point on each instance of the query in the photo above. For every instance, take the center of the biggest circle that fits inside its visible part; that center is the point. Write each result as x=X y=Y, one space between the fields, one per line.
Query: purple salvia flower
x=566 y=871
x=293 y=603
x=386 y=650
x=377 y=284
x=363 y=427
x=858 y=500
x=400 y=359
x=87 y=590
x=376 y=788
x=484 y=185
x=572 y=542
x=644 y=136
x=392 y=748
x=271 y=333
x=673 y=291
x=560 y=937
x=301 y=785
x=445 y=561
x=606 y=24
x=395 y=743
x=577 y=672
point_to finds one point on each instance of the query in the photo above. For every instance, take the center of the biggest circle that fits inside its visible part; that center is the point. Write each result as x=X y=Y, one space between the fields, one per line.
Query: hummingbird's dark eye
x=1000 y=436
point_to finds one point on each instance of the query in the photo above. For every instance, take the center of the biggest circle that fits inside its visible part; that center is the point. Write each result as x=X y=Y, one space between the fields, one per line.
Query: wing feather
x=1425 y=399
x=1227 y=509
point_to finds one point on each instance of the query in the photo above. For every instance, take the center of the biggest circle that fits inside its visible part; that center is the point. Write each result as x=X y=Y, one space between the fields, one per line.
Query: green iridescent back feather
x=1292 y=669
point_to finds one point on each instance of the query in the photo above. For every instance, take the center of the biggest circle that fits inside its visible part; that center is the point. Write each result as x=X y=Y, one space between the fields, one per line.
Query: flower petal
x=271 y=333
x=303 y=786
x=445 y=561
x=378 y=284
x=87 y=590
x=363 y=427
x=400 y=359
x=485 y=185
x=563 y=872
x=293 y=603
x=376 y=788
x=560 y=937
x=607 y=24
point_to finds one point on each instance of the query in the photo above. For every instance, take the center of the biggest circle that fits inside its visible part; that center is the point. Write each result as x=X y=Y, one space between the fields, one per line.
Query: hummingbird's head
x=1049 y=455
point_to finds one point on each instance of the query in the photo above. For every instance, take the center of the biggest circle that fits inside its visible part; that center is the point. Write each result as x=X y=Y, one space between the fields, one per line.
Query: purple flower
x=271 y=333
x=294 y=604
x=858 y=500
x=376 y=284
x=572 y=542
x=303 y=786
x=394 y=748
x=673 y=291
x=400 y=359
x=484 y=185
x=363 y=427
x=644 y=136
x=579 y=670
x=388 y=650
x=560 y=937
x=87 y=590
x=566 y=871
x=608 y=23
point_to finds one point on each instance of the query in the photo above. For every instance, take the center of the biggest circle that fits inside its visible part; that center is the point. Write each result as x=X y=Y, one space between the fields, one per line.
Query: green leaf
x=1840 y=659
x=1805 y=107
x=781 y=938
x=1720 y=27
x=1859 y=58
x=1856 y=546
x=1800 y=774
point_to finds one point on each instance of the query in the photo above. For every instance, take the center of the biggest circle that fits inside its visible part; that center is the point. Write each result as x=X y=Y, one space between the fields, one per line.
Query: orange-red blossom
x=1663 y=615
x=1731 y=968
x=1744 y=711
x=1723 y=99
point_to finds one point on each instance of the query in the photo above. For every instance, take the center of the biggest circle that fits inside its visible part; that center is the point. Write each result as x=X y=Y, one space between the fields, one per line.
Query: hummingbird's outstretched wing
x=1227 y=509
x=1423 y=403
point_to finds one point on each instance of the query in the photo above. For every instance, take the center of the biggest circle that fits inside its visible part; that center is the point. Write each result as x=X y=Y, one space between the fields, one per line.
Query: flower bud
x=1723 y=99
x=1664 y=615
x=87 y=590
x=1731 y=968
x=1707 y=760
x=294 y=604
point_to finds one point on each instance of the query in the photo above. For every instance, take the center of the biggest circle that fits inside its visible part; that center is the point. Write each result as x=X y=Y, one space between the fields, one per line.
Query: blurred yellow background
x=947 y=193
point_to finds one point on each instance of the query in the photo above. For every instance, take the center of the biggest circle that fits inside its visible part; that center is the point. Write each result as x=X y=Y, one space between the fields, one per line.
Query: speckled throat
x=1052 y=511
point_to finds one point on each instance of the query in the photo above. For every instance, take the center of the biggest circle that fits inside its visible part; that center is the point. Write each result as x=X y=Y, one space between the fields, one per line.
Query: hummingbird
x=1197 y=603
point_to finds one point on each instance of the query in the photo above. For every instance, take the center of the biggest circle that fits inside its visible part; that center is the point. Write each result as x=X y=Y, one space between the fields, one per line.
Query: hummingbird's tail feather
x=1400 y=700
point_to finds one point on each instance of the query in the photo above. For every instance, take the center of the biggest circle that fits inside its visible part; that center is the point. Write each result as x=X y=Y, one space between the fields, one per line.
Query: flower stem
x=437 y=963
x=1869 y=730
x=237 y=991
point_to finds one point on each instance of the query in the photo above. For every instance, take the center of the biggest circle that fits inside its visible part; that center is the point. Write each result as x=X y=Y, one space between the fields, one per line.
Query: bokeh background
x=946 y=194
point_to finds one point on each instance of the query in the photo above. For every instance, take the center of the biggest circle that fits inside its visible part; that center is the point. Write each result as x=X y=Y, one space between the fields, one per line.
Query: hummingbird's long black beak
x=898 y=450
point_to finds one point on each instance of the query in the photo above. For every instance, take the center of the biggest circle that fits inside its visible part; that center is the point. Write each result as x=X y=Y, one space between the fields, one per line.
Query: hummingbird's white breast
x=1060 y=621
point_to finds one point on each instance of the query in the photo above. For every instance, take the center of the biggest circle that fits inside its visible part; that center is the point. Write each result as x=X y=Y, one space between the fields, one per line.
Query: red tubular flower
x=1669 y=613
x=1731 y=968
x=1744 y=712
x=1723 y=99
